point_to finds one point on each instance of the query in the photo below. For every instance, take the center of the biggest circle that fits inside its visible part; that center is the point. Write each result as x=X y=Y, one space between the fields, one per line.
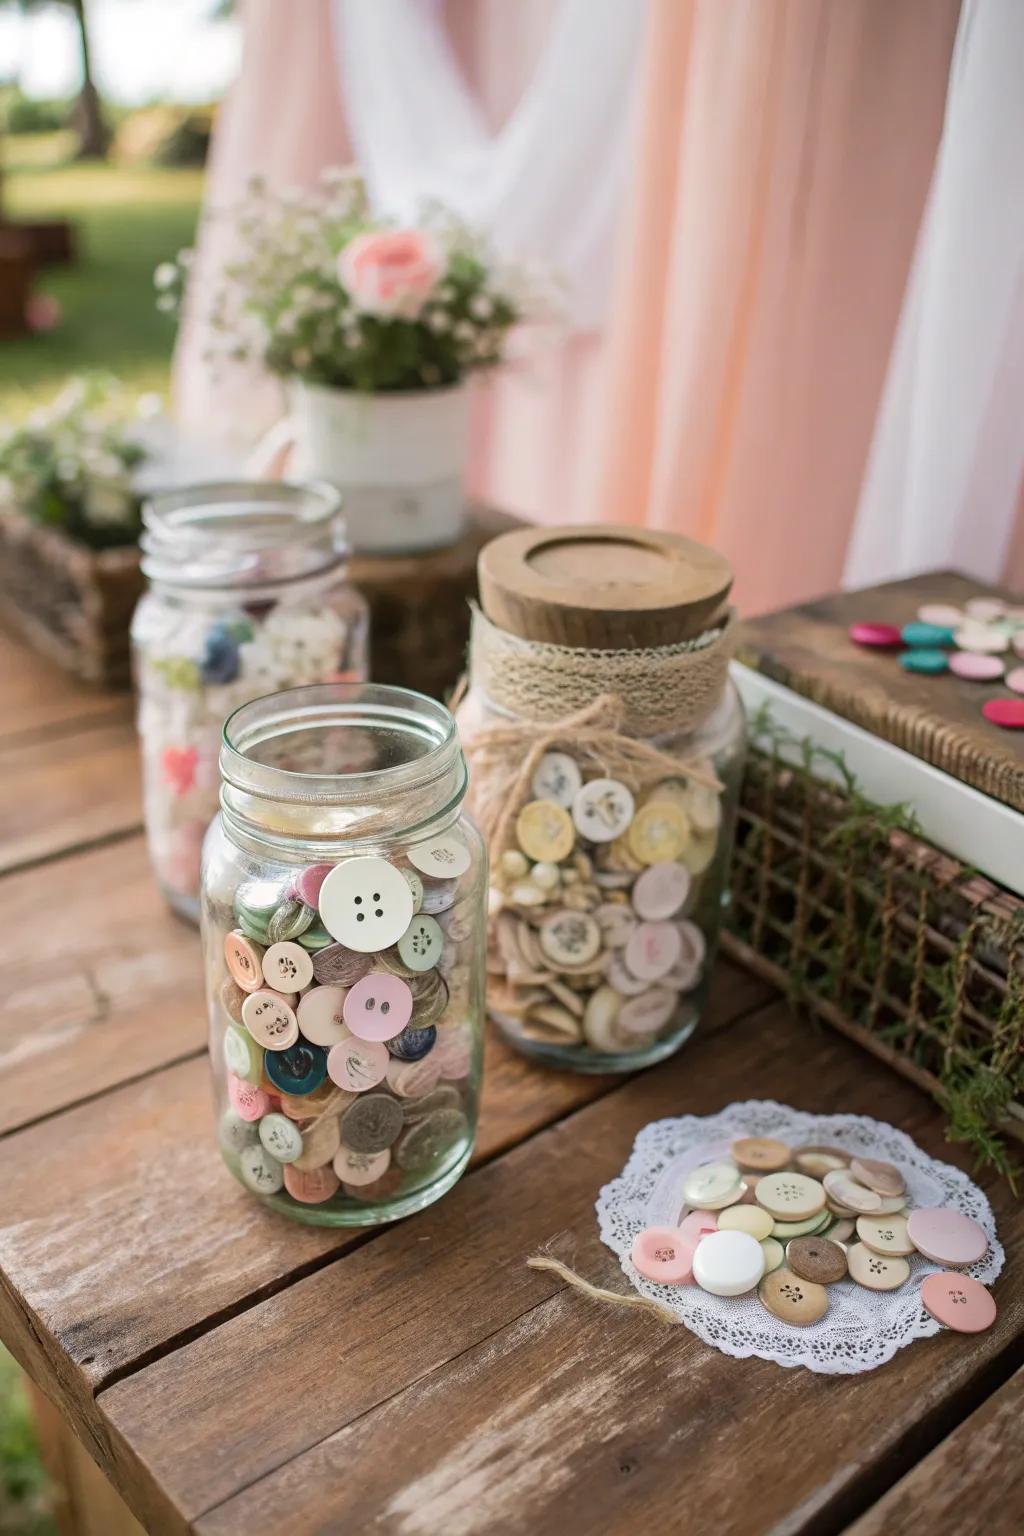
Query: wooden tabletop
x=232 y=1372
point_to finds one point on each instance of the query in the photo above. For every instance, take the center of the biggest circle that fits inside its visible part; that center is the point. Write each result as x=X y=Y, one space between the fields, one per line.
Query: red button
x=875 y=634
x=1009 y=713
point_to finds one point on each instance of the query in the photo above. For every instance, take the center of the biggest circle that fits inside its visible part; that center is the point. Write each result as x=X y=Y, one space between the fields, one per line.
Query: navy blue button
x=220 y=662
x=413 y=1043
x=299 y=1069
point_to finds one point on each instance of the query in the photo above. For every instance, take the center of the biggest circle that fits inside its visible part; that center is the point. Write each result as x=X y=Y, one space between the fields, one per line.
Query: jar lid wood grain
x=607 y=588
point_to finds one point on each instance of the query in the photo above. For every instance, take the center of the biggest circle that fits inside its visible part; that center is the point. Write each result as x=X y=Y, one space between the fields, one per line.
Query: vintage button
x=1015 y=679
x=315 y=937
x=557 y=778
x=621 y=977
x=959 y=1302
x=728 y=1263
x=307 y=885
x=816 y=1259
x=697 y=1224
x=242 y=1055
x=712 y=1186
x=602 y=810
x=811 y=1226
x=840 y=1230
x=931 y=662
x=616 y=923
x=248 y=1101
x=703 y=805
x=976 y=668
x=412 y=1079
x=320 y=1141
x=289 y=920
x=653 y=949
x=320 y=1016
x=270 y=1020
x=243 y=959
x=1009 y=713
x=790 y=1196
x=984 y=609
x=281 y=1137
x=366 y=904
x=357 y=1065
x=659 y=832
x=421 y=944
x=287 y=966
x=298 y=1070
x=600 y=1020
x=663 y=1255
x=232 y=997
x=876 y=1271
x=926 y=636
x=883 y=1178
x=378 y=1007
x=442 y=858
x=943 y=614
x=774 y=1253
x=847 y=1191
x=304 y=1106
x=413 y=1043
x=981 y=638
x=372 y=1123
x=260 y=1172
x=544 y=831
x=761 y=1154
x=817 y=1161
x=438 y=896
x=946 y=1236
x=874 y=634
x=661 y=891
x=569 y=938
x=234 y=1133
x=885 y=1234
x=415 y=884
x=791 y=1299
x=746 y=1218
x=311 y=1186
x=337 y=965
x=646 y=1014
x=429 y=1140
x=361 y=1168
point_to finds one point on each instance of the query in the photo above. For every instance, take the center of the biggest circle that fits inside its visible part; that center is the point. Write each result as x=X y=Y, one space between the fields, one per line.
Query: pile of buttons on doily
x=828 y=1241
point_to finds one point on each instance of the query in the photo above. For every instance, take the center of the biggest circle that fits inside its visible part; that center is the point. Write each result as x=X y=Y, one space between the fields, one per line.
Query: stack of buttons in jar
x=347 y=1044
x=590 y=939
x=790 y=1222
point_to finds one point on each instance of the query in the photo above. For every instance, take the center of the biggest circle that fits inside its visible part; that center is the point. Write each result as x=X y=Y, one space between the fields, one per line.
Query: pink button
x=311 y=1186
x=248 y=1101
x=307 y=885
x=320 y=1014
x=356 y=1065
x=946 y=1236
x=652 y=950
x=697 y=1224
x=244 y=961
x=976 y=667
x=661 y=891
x=875 y=634
x=378 y=1007
x=958 y=1301
x=662 y=1254
x=1015 y=679
x=1009 y=713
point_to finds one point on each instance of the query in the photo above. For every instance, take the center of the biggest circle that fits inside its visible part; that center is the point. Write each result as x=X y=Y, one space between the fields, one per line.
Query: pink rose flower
x=391 y=272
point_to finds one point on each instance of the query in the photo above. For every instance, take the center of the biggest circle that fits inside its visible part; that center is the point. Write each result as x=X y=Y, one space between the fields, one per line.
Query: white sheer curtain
x=947 y=459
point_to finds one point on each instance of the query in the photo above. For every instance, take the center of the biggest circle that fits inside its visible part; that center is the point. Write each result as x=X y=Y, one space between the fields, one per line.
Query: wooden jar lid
x=604 y=588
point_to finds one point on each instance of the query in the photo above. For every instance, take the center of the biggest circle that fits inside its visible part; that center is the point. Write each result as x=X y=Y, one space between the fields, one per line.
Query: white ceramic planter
x=399 y=459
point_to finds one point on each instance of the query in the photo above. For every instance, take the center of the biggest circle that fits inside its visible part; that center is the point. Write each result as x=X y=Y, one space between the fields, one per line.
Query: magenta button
x=1009 y=713
x=875 y=634
x=307 y=885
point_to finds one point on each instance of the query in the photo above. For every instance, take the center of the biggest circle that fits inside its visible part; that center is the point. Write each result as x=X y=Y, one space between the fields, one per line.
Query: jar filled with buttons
x=605 y=742
x=248 y=593
x=343 y=920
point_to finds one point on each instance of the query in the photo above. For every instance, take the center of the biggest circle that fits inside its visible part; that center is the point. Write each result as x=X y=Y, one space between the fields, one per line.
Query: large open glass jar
x=605 y=742
x=248 y=593
x=343 y=922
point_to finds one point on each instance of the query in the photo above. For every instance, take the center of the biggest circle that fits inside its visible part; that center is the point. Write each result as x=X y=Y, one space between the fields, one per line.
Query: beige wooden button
x=849 y=1192
x=815 y=1258
x=891 y=1205
x=790 y=1196
x=774 y=1253
x=287 y=967
x=876 y=1271
x=600 y=1021
x=760 y=1154
x=570 y=938
x=817 y=1161
x=884 y=1178
x=792 y=1300
x=602 y=810
x=840 y=1231
x=658 y=832
x=704 y=806
x=885 y=1234
x=544 y=831
x=746 y=1218
x=712 y=1186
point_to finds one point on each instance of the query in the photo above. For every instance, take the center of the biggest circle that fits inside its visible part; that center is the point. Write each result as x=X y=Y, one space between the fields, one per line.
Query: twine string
x=597 y=1292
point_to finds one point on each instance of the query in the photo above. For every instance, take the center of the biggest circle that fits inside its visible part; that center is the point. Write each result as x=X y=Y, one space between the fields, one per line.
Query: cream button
x=281 y=1137
x=661 y=891
x=728 y=1263
x=421 y=944
x=320 y=1015
x=883 y=1178
x=570 y=939
x=260 y=1172
x=361 y=1168
x=557 y=778
x=602 y=810
x=761 y=1154
x=845 y=1190
x=415 y=885
x=712 y=1186
x=544 y=832
x=774 y=1253
x=885 y=1234
x=876 y=1271
x=746 y=1218
x=645 y=1015
x=287 y=967
x=366 y=904
x=442 y=858
x=270 y=1020
x=600 y=1020
x=790 y=1196
x=792 y=1300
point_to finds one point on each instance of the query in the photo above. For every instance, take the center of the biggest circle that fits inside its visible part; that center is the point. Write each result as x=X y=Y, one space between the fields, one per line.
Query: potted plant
x=375 y=330
x=69 y=524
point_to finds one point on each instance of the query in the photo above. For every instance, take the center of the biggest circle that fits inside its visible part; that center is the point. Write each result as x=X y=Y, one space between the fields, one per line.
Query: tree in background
x=93 y=134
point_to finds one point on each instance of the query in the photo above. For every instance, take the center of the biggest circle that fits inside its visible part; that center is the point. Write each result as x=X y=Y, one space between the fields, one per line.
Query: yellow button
x=659 y=832
x=746 y=1218
x=545 y=831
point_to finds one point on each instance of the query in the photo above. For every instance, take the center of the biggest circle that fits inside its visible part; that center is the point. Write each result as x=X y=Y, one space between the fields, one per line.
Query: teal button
x=926 y=636
x=924 y=661
x=298 y=1070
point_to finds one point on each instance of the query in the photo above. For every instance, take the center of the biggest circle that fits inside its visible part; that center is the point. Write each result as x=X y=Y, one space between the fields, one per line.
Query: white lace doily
x=862 y=1329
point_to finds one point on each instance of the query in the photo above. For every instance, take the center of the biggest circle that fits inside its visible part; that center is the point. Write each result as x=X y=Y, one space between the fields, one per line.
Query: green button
x=242 y=1055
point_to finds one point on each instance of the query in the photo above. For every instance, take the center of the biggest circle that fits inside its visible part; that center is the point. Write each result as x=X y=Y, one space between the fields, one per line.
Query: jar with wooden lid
x=605 y=742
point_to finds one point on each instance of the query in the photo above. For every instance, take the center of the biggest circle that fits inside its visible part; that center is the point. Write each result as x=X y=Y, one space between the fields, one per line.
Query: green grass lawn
x=128 y=219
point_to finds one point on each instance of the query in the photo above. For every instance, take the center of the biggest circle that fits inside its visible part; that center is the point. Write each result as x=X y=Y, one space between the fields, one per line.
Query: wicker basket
x=72 y=603
x=847 y=909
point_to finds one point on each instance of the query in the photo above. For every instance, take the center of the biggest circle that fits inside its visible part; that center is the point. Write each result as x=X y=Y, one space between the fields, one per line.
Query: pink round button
x=311 y=1186
x=946 y=1236
x=244 y=961
x=652 y=950
x=661 y=891
x=662 y=1254
x=875 y=634
x=248 y=1101
x=356 y=1065
x=697 y=1224
x=976 y=667
x=1009 y=713
x=378 y=1007
x=307 y=885
x=1015 y=679
x=958 y=1301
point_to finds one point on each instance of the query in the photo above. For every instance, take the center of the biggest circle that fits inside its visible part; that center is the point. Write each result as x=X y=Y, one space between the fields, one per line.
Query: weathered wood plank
x=514 y=1407
x=973 y=1482
x=36 y=695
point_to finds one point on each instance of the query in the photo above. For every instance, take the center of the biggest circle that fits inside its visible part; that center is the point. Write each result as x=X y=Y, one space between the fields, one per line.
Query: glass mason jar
x=248 y=594
x=343 y=922
x=605 y=741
